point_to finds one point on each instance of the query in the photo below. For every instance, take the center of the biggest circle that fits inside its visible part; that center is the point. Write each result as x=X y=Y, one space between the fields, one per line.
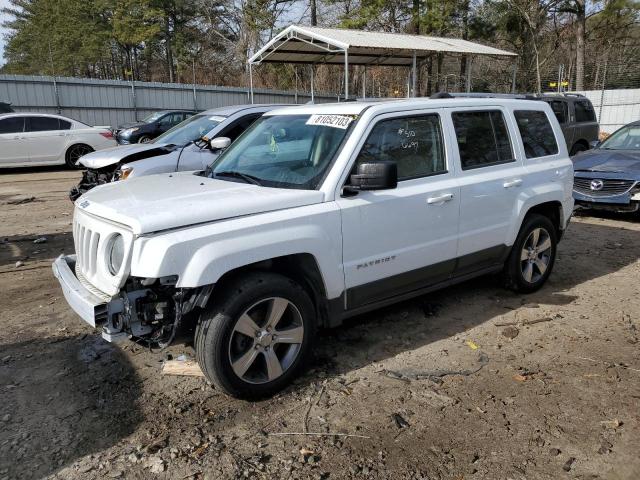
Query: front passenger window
x=483 y=138
x=414 y=143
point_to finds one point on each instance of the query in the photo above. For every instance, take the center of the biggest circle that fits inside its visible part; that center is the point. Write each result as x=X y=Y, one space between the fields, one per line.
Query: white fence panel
x=615 y=108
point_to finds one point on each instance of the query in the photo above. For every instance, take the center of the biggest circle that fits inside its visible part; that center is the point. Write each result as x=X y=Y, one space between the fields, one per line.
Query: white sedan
x=33 y=139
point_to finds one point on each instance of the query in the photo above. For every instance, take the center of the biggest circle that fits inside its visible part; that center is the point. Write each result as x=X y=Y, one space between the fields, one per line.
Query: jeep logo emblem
x=85 y=203
x=596 y=185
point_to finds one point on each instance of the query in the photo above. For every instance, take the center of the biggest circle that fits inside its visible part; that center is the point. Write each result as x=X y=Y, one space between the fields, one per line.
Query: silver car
x=180 y=149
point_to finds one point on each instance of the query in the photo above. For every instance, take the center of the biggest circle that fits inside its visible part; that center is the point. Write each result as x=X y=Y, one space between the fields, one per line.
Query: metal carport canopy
x=318 y=45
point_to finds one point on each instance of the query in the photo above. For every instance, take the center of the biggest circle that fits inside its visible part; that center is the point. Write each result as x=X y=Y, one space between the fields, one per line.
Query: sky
x=3 y=3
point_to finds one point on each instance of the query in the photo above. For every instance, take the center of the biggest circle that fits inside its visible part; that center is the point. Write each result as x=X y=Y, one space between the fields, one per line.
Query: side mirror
x=375 y=176
x=594 y=144
x=219 y=143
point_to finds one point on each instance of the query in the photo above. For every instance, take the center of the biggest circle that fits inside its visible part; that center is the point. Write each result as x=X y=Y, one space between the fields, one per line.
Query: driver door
x=400 y=240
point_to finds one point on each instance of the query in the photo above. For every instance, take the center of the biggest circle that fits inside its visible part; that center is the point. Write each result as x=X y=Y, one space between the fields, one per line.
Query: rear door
x=45 y=140
x=561 y=111
x=12 y=147
x=396 y=241
x=490 y=178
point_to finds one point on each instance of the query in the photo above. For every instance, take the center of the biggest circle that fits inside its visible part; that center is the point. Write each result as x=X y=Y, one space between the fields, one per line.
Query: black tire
x=515 y=268
x=577 y=148
x=73 y=154
x=144 y=139
x=215 y=337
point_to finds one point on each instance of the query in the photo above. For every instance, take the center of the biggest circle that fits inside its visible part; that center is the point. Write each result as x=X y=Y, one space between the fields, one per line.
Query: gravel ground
x=472 y=382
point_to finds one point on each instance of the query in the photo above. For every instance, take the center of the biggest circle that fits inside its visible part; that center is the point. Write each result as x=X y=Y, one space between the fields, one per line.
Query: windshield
x=190 y=130
x=627 y=138
x=153 y=117
x=285 y=151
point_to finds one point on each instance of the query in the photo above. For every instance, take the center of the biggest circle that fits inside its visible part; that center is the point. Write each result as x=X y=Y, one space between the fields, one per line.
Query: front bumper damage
x=150 y=309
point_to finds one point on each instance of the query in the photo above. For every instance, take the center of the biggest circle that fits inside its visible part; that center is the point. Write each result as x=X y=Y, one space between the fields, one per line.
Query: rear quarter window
x=584 y=111
x=536 y=133
x=483 y=138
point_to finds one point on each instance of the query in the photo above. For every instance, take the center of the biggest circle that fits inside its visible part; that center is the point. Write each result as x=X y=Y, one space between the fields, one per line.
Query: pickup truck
x=315 y=214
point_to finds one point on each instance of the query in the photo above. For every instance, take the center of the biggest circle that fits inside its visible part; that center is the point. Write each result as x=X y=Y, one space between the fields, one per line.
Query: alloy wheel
x=535 y=255
x=266 y=340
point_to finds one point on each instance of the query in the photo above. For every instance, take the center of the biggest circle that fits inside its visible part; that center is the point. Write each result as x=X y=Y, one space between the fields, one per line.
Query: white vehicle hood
x=165 y=201
x=113 y=155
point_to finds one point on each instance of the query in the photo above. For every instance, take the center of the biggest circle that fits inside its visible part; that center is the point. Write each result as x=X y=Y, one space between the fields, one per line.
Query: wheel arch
x=552 y=210
x=302 y=268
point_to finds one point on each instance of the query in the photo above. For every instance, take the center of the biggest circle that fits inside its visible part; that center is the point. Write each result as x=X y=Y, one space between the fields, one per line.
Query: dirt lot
x=556 y=394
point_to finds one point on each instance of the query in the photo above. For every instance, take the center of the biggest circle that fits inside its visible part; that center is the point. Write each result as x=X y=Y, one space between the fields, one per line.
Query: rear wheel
x=577 y=148
x=257 y=336
x=74 y=152
x=532 y=256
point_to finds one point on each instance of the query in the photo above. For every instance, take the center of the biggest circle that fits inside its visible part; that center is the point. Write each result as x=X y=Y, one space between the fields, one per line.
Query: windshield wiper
x=244 y=176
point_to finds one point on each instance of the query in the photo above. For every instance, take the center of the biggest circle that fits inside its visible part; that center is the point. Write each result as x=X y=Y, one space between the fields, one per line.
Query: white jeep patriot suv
x=315 y=214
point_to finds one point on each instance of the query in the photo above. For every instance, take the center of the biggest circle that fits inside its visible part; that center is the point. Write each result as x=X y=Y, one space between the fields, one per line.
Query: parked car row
x=312 y=215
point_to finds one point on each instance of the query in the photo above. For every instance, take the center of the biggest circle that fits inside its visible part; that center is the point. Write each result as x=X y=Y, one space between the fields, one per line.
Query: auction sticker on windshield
x=217 y=118
x=335 y=121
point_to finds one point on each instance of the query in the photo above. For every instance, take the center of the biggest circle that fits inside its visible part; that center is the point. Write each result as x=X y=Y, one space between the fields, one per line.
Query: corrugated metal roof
x=302 y=44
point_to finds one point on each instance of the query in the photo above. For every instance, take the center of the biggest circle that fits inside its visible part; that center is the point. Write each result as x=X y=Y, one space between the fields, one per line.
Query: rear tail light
x=107 y=134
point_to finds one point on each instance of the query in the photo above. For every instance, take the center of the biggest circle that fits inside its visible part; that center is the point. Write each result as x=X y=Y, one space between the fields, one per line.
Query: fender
x=201 y=255
x=550 y=192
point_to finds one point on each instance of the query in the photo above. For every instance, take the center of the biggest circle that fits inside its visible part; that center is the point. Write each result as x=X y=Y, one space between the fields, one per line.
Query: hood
x=164 y=201
x=130 y=125
x=601 y=160
x=124 y=153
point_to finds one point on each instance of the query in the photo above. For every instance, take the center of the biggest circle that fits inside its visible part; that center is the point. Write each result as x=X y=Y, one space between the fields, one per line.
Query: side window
x=414 y=143
x=483 y=138
x=536 y=132
x=12 y=125
x=41 y=124
x=64 y=125
x=233 y=131
x=560 y=110
x=584 y=111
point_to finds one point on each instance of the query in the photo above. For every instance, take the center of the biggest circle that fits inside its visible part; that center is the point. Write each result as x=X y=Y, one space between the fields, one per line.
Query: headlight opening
x=115 y=254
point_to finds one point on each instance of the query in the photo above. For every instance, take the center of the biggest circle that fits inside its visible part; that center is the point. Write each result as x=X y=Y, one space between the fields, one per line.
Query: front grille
x=609 y=188
x=86 y=242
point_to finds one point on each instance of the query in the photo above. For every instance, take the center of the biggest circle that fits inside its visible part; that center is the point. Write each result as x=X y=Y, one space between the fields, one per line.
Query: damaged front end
x=151 y=311
x=146 y=310
x=92 y=178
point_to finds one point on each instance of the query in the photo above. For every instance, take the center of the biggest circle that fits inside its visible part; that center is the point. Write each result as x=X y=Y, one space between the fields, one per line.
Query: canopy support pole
x=469 y=65
x=413 y=76
x=312 y=87
x=346 y=74
x=513 y=78
x=251 y=84
x=364 y=82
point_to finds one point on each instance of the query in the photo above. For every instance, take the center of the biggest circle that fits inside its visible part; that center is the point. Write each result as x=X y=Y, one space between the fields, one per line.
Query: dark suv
x=155 y=124
x=577 y=119
x=5 y=107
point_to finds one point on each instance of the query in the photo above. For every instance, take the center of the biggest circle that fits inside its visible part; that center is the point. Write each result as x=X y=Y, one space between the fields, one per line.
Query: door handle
x=440 y=199
x=512 y=183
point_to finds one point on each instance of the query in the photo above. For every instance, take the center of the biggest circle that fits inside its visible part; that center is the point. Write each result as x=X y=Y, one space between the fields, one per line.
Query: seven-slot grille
x=86 y=242
x=609 y=187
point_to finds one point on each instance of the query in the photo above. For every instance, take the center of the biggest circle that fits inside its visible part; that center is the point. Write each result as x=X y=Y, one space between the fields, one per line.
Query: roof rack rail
x=519 y=96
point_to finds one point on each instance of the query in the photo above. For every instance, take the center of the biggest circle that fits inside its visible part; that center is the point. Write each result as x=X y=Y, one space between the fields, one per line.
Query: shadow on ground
x=62 y=398
x=22 y=247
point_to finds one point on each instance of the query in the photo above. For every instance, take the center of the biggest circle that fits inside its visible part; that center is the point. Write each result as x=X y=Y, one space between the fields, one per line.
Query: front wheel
x=257 y=336
x=532 y=256
x=144 y=139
